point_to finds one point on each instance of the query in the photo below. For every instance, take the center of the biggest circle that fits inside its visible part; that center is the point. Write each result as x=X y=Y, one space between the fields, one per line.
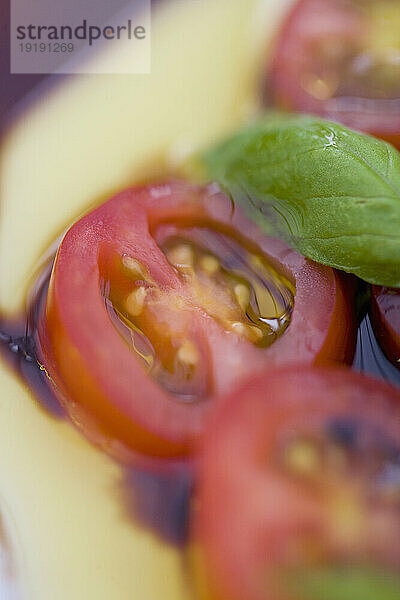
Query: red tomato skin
x=235 y=530
x=341 y=341
x=283 y=88
x=98 y=377
x=385 y=318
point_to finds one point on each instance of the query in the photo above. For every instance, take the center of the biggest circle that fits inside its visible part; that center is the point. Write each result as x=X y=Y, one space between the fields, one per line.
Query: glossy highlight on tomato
x=299 y=493
x=385 y=318
x=163 y=298
x=341 y=59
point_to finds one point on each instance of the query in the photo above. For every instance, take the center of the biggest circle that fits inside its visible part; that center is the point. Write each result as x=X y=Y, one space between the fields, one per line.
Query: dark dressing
x=18 y=347
x=369 y=358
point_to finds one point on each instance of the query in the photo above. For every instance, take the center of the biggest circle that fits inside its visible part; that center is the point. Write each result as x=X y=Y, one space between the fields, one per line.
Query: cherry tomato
x=299 y=494
x=162 y=299
x=385 y=317
x=341 y=59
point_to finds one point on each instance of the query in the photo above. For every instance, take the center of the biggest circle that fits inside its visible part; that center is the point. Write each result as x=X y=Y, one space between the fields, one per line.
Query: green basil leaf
x=331 y=193
x=347 y=583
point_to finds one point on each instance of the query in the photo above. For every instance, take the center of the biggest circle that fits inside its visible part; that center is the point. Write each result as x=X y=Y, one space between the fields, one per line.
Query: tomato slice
x=341 y=59
x=385 y=318
x=299 y=494
x=161 y=299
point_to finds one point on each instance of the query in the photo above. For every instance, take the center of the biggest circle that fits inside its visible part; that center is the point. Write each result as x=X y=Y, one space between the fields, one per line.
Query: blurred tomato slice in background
x=340 y=59
x=299 y=496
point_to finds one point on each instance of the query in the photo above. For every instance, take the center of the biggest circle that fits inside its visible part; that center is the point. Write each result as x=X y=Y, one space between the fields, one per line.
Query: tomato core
x=235 y=287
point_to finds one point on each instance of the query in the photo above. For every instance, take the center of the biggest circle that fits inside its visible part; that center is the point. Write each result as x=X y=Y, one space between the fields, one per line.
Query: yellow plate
x=64 y=532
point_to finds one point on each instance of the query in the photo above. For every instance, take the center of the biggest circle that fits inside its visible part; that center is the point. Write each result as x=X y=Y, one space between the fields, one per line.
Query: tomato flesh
x=300 y=476
x=341 y=59
x=233 y=286
x=385 y=317
x=141 y=335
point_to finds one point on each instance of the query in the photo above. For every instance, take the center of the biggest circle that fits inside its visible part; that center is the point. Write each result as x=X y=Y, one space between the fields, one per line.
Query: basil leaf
x=347 y=583
x=331 y=193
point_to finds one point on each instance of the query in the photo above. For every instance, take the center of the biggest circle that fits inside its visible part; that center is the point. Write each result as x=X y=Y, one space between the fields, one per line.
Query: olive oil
x=222 y=279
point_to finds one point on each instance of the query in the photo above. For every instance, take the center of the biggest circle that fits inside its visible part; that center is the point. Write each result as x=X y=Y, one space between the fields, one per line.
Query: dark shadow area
x=159 y=499
x=370 y=358
x=18 y=346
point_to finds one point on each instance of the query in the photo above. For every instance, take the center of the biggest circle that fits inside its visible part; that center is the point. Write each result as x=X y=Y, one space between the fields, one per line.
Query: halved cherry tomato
x=299 y=494
x=161 y=299
x=341 y=59
x=385 y=318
